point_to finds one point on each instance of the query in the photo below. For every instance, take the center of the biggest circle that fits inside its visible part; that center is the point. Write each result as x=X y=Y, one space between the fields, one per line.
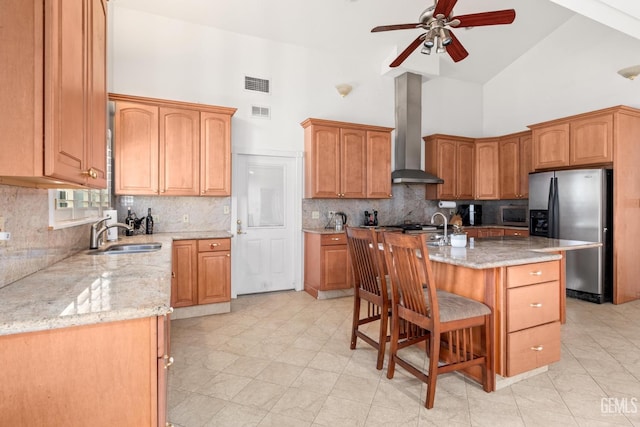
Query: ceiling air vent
x=257 y=85
x=261 y=112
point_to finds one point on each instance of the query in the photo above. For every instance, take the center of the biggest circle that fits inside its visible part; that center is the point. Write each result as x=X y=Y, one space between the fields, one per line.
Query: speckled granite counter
x=85 y=289
x=491 y=252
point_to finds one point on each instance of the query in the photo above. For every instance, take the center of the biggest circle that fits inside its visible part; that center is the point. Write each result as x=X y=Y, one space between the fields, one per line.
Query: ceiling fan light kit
x=435 y=20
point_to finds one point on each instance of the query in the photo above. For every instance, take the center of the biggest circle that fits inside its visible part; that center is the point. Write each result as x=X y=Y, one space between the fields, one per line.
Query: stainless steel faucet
x=95 y=239
x=446 y=241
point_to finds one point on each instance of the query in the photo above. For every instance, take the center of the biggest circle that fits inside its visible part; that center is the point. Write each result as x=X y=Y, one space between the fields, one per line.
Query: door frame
x=296 y=213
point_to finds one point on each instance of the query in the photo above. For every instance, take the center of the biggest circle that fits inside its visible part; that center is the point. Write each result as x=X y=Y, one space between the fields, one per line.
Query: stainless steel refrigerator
x=577 y=205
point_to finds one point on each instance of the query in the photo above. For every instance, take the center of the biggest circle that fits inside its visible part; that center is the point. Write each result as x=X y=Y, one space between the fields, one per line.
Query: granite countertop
x=492 y=252
x=86 y=289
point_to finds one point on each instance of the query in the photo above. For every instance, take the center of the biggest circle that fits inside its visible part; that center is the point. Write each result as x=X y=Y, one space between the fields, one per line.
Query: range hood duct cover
x=408 y=99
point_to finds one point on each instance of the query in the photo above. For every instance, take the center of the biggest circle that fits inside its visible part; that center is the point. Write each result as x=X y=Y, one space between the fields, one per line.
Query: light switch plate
x=315 y=215
x=2 y=223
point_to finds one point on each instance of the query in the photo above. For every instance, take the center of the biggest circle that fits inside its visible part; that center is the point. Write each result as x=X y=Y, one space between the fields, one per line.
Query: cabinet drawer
x=208 y=245
x=531 y=348
x=528 y=274
x=333 y=239
x=532 y=305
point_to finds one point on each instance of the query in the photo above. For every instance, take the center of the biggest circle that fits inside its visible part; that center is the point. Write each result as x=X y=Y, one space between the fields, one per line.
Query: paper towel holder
x=445 y=204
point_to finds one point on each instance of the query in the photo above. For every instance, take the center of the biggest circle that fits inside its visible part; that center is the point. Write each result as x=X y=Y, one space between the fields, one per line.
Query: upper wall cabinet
x=53 y=99
x=452 y=159
x=515 y=165
x=171 y=148
x=346 y=160
x=487 y=179
x=581 y=140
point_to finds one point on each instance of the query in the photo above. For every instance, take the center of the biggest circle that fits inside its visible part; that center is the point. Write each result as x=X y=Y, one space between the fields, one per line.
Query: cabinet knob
x=229 y=255
x=91 y=172
x=168 y=361
x=213 y=245
x=173 y=275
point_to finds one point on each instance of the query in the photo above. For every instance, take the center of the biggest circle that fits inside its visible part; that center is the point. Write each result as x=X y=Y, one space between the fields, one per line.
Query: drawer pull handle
x=168 y=361
x=537 y=348
x=536 y=273
x=335 y=238
x=213 y=245
x=535 y=304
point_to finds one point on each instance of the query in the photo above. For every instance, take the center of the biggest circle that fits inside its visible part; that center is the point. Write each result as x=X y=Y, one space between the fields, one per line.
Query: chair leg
x=356 y=319
x=489 y=377
x=393 y=348
x=382 y=337
x=434 y=357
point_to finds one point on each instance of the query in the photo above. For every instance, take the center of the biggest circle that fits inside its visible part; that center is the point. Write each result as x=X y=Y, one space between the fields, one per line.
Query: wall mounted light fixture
x=344 y=89
x=630 y=72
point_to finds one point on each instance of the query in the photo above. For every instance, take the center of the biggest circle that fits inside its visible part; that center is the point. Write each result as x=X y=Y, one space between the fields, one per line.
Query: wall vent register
x=256 y=84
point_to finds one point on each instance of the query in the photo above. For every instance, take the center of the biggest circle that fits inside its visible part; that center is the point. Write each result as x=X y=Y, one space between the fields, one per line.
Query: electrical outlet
x=315 y=215
x=185 y=218
x=225 y=209
x=156 y=218
x=331 y=213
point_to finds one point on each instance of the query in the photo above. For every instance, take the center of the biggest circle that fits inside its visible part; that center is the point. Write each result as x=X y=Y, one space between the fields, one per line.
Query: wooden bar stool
x=370 y=285
x=457 y=329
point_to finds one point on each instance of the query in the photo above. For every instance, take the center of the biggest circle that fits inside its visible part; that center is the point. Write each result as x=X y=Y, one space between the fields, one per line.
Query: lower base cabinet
x=326 y=263
x=105 y=374
x=201 y=272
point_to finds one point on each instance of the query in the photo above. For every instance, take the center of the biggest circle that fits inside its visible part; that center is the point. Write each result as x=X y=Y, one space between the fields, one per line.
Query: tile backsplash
x=33 y=246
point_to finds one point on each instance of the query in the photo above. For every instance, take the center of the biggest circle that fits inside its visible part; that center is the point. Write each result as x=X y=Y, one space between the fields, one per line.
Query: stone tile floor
x=283 y=359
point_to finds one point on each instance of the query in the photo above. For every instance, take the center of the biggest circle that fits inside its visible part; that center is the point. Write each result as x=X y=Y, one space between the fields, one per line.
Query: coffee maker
x=471 y=214
x=371 y=218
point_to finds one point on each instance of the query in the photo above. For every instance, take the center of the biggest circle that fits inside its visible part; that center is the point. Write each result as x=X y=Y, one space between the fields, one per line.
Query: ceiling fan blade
x=456 y=51
x=408 y=51
x=444 y=7
x=486 y=18
x=395 y=27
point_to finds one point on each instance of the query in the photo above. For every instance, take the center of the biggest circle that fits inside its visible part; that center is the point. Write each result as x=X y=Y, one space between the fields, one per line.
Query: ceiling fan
x=436 y=20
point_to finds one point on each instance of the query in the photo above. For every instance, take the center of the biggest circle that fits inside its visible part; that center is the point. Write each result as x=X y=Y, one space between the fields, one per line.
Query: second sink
x=128 y=248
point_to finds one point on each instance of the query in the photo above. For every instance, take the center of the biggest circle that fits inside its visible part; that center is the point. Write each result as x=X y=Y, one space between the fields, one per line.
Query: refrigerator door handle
x=554 y=209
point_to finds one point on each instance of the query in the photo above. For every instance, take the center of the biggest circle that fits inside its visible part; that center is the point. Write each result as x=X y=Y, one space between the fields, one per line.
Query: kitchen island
x=86 y=341
x=522 y=280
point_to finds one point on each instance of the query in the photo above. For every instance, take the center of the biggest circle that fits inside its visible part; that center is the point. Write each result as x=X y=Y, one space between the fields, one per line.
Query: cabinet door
x=551 y=146
x=486 y=171
x=65 y=89
x=378 y=165
x=97 y=95
x=136 y=149
x=179 y=152
x=465 y=171
x=353 y=163
x=525 y=165
x=446 y=169
x=335 y=268
x=323 y=161
x=509 y=168
x=214 y=277
x=592 y=140
x=215 y=154
x=184 y=273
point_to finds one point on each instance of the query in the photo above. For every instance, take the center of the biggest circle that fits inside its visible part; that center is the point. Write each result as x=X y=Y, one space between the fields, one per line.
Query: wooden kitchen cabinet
x=487 y=179
x=515 y=165
x=53 y=102
x=490 y=232
x=378 y=165
x=533 y=316
x=171 y=148
x=214 y=271
x=201 y=272
x=516 y=233
x=452 y=159
x=326 y=263
x=105 y=374
x=346 y=160
x=583 y=140
x=184 y=273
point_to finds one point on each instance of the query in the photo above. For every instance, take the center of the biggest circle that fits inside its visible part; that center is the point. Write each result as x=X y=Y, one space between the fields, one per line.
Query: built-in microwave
x=514 y=215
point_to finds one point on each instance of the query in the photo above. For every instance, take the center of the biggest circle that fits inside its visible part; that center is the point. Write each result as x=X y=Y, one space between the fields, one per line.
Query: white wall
x=572 y=71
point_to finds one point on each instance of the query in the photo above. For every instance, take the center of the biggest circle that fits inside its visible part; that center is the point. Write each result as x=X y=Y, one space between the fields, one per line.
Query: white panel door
x=263 y=258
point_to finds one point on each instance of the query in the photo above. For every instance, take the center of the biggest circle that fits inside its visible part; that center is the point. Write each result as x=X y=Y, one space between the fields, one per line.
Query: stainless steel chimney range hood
x=408 y=100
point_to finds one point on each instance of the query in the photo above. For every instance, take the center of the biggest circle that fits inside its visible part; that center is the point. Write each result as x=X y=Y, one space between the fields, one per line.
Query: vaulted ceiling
x=344 y=27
